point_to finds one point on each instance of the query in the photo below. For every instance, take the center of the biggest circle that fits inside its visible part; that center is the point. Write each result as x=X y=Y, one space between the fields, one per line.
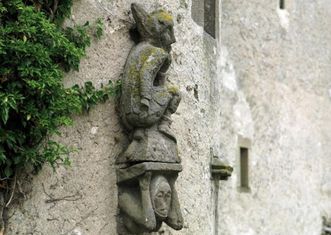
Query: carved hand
x=144 y=108
x=145 y=181
x=145 y=103
x=166 y=64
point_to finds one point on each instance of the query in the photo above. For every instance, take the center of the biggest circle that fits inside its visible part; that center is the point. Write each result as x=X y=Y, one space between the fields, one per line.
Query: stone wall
x=266 y=78
x=279 y=61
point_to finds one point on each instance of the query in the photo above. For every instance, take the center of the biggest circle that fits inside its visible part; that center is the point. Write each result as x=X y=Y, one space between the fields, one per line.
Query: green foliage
x=99 y=29
x=34 y=53
x=55 y=10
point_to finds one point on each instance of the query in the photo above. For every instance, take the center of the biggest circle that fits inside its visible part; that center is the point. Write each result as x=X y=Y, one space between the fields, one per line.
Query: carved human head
x=161 y=196
x=156 y=27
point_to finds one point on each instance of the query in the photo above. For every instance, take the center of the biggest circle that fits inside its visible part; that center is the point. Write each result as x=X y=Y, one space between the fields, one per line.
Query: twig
x=51 y=12
x=12 y=191
x=55 y=5
x=2 y=209
x=69 y=198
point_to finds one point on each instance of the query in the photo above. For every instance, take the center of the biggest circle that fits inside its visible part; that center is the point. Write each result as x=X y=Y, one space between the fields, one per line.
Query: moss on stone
x=173 y=89
x=165 y=16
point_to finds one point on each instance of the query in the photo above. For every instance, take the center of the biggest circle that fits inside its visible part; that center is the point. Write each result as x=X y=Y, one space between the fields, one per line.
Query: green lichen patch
x=164 y=16
x=173 y=89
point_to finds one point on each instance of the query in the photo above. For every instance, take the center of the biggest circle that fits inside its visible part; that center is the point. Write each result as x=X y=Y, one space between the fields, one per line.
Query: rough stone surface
x=280 y=63
x=266 y=77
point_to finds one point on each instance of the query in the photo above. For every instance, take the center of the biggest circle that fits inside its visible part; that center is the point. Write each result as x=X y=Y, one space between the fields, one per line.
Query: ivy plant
x=35 y=53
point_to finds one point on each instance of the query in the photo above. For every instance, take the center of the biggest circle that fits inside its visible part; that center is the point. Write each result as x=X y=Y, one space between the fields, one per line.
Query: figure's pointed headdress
x=140 y=16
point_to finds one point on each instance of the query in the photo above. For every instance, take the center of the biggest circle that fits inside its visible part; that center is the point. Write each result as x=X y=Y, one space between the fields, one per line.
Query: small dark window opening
x=210 y=17
x=282 y=4
x=244 y=168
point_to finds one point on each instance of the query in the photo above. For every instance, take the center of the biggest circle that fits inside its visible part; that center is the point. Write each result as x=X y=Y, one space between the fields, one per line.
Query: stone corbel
x=220 y=170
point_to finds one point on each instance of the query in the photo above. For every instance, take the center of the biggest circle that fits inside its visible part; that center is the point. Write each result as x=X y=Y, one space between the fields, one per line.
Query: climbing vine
x=35 y=52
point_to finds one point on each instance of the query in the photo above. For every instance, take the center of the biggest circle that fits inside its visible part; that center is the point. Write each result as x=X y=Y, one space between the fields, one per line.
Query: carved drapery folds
x=149 y=166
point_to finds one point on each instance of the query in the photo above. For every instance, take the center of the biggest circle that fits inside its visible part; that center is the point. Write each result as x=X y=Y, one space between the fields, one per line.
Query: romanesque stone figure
x=149 y=166
x=147 y=99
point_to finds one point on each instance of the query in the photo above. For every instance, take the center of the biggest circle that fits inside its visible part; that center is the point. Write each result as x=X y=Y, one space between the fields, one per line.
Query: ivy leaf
x=8 y=172
x=4 y=114
x=2 y=156
x=99 y=29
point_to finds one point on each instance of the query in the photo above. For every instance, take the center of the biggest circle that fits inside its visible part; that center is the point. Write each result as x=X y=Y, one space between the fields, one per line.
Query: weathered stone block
x=151 y=146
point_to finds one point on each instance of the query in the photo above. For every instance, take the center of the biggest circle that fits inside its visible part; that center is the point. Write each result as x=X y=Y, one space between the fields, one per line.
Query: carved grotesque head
x=156 y=27
x=161 y=196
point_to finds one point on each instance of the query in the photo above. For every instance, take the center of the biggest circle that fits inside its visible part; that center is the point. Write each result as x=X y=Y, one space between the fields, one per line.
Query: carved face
x=161 y=196
x=166 y=28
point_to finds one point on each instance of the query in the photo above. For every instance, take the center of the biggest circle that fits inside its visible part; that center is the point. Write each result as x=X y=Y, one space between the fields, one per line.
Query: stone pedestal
x=150 y=145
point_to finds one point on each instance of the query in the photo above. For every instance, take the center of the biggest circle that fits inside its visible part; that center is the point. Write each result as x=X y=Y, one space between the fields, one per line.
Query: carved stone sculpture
x=149 y=166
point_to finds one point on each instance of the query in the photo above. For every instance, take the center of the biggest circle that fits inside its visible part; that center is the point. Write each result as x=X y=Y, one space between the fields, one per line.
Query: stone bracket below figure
x=148 y=197
x=132 y=172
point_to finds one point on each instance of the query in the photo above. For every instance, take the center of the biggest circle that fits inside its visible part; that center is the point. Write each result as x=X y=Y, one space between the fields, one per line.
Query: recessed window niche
x=205 y=13
x=244 y=146
x=282 y=4
x=210 y=17
x=244 y=168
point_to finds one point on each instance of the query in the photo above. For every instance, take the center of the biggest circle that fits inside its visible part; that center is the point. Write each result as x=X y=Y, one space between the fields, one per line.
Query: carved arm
x=175 y=219
x=148 y=215
x=148 y=73
x=140 y=212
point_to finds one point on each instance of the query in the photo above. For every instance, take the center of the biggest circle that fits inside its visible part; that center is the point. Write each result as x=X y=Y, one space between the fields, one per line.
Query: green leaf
x=2 y=156
x=8 y=172
x=99 y=29
x=4 y=114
